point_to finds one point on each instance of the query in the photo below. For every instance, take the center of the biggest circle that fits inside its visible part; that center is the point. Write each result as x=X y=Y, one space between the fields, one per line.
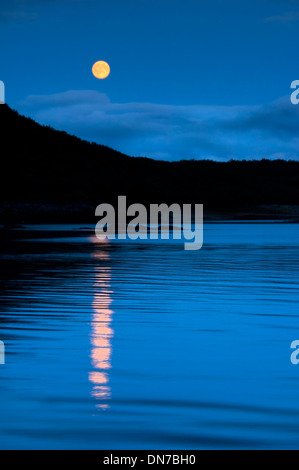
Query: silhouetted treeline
x=42 y=168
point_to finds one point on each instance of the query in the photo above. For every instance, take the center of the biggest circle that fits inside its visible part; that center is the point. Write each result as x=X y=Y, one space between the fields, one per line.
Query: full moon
x=101 y=70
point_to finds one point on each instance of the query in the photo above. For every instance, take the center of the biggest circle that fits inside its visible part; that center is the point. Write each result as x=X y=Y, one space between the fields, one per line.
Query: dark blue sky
x=189 y=78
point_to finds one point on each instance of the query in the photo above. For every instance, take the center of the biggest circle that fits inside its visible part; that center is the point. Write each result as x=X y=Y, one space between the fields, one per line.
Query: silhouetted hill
x=47 y=175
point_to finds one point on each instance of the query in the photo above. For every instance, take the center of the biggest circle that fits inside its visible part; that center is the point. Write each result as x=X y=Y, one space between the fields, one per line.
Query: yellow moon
x=101 y=70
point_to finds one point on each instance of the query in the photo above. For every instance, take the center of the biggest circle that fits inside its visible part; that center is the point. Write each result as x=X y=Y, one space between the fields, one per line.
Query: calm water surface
x=143 y=345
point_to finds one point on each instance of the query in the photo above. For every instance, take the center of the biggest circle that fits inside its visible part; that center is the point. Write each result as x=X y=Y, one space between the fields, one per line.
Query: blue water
x=126 y=345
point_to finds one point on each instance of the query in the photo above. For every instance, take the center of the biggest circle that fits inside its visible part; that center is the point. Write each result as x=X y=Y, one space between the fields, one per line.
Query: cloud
x=284 y=18
x=17 y=16
x=20 y=11
x=173 y=132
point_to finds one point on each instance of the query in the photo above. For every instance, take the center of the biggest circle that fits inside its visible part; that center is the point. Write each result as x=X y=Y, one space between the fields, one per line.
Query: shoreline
x=21 y=214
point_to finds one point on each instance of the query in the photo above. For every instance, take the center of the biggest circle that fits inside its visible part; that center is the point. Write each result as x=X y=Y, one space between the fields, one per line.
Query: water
x=146 y=346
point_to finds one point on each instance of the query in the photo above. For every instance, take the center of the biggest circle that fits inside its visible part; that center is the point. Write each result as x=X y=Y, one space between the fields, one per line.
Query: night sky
x=189 y=78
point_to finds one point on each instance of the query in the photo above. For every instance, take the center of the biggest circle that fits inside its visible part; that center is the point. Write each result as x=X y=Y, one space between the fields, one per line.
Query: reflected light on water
x=102 y=332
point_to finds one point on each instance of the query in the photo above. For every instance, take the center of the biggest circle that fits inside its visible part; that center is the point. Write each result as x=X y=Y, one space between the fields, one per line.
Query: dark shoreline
x=19 y=214
x=51 y=177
